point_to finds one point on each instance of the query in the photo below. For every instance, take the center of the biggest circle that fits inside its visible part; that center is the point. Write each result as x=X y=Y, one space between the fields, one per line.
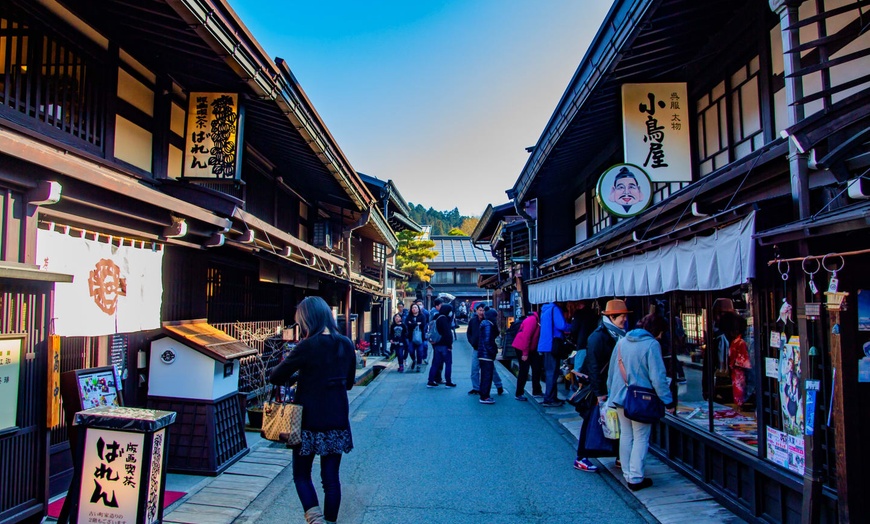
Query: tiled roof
x=453 y=249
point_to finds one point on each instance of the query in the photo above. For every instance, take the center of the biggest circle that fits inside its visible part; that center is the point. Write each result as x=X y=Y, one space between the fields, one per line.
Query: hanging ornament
x=813 y=351
x=836 y=329
x=785 y=312
x=834 y=282
x=814 y=289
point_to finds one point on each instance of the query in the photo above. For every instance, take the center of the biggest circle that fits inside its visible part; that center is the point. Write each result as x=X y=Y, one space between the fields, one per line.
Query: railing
x=266 y=338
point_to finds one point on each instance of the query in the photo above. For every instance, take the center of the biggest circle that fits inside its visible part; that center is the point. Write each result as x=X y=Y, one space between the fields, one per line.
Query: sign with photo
x=624 y=190
x=655 y=127
x=211 y=145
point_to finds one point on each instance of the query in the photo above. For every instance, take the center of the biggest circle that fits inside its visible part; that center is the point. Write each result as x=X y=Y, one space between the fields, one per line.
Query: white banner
x=655 y=122
x=114 y=289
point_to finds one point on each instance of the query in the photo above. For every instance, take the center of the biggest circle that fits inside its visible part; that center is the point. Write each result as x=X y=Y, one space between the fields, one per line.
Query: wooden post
x=835 y=301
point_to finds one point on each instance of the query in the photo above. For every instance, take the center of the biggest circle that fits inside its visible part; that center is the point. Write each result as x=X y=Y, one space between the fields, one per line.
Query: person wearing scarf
x=599 y=347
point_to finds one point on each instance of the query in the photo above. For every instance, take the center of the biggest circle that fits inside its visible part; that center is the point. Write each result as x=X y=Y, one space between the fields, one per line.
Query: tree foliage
x=456 y=232
x=468 y=225
x=413 y=254
x=441 y=221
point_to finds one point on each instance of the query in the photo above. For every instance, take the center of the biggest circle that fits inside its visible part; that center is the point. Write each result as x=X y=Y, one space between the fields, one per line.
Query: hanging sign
x=624 y=190
x=211 y=145
x=115 y=289
x=655 y=126
x=53 y=350
x=111 y=476
x=11 y=354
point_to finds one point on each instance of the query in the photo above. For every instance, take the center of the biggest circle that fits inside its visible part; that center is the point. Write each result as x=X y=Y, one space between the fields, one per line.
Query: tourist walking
x=637 y=361
x=399 y=341
x=415 y=329
x=526 y=342
x=473 y=334
x=326 y=365
x=553 y=326
x=487 y=352
x=442 y=349
x=596 y=366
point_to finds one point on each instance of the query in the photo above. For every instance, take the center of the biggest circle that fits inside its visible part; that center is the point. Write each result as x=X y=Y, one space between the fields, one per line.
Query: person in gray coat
x=640 y=356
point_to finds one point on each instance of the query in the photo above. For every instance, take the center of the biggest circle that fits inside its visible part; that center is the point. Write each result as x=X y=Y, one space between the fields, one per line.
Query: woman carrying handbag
x=638 y=386
x=326 y=363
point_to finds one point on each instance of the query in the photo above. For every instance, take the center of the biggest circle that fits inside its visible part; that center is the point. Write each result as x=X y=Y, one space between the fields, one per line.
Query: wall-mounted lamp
x=45 y=193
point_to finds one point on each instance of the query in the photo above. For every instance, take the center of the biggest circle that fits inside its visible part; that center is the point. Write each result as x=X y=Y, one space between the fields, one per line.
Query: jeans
x=475 y=373
x=551 y=372
x=417 y=352
x=401 y=354
x=633 y=445
x=328 y=476
x=442 y=356
x=534 y=364
x=487 y=367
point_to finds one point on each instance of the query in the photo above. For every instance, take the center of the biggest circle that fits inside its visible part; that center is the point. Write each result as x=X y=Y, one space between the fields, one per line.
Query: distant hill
x=442 y=221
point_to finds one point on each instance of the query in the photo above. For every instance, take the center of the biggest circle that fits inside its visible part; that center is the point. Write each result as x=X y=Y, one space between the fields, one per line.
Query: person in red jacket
x=526 y=343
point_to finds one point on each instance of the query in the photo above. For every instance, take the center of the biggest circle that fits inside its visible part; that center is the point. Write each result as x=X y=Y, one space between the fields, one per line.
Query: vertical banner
x=153 y=509
x=53 y=415
x=115 y=289
x=655 y=126
x=211 y=146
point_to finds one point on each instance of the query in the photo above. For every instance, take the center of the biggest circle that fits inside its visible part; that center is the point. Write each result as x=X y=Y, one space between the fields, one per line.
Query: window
x=580 y=221
x=442 y=277
x=729 y=119
x=466 y=277
x=379 y=251
x=600 y=218
x=49 y=82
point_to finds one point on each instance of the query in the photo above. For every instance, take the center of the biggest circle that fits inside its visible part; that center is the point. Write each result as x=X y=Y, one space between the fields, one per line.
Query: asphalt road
x=439 y=456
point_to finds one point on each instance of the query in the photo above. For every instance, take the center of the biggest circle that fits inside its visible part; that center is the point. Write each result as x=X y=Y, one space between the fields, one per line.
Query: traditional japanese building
x=158 y=166
x=458 y=266
x=711 y=157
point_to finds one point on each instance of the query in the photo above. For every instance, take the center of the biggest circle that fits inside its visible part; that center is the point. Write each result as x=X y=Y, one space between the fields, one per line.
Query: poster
x=11 y=347
x=863 y=310
x=771 y=368
x=796 y=459
x=777 y=447
x=110 y=476
x=790 y=394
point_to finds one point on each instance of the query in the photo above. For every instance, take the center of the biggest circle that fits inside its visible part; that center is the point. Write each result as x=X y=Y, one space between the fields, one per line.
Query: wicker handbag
x=282 y=422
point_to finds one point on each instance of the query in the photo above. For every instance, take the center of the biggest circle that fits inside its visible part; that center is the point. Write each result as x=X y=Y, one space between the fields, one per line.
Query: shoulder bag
x=561 y=348
x=282 y=421
x=641 y=404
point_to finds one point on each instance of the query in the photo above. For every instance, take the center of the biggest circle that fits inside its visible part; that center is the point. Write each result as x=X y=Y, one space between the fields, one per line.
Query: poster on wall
x=790 y=394
x=863 y=310
x=211 y=147
x=11 y=349
x=777 y=447
x=115 y=289
x=655 y=127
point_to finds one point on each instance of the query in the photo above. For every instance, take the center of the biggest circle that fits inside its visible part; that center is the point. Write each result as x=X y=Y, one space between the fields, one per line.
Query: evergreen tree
x=412 y=255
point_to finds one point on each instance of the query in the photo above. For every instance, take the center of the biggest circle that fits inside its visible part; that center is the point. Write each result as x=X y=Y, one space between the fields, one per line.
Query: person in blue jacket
x=553 y=325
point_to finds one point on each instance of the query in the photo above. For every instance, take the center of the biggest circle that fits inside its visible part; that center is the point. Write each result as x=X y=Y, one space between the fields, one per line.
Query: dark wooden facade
x=92 y=102
x=778 y=126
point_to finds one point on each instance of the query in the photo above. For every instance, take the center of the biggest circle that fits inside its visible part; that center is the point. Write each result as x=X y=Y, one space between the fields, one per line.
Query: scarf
x=614 y=331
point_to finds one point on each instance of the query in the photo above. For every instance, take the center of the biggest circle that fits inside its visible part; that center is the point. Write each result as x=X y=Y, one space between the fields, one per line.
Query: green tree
x=412 y=255
x=456 y=232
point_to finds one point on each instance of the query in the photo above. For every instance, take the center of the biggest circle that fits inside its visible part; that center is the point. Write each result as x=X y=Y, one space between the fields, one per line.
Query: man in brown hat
x=599 y=347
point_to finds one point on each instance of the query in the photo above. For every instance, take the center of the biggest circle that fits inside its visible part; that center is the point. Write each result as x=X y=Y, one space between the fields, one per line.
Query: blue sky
x=442 y=97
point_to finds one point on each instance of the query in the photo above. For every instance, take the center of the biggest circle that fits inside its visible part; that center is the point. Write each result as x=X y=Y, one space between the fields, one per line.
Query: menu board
x=98 y=387
x=10 y=370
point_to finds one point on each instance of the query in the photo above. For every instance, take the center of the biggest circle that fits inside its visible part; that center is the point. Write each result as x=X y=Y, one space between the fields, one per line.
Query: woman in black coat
x=326 y=363
x=399 y=340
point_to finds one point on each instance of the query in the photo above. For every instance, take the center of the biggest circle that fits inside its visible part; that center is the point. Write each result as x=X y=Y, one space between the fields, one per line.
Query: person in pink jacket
x=526 y=344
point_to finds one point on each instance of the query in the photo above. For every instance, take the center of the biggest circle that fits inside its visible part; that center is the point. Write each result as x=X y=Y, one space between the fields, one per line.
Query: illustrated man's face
x=625 y=191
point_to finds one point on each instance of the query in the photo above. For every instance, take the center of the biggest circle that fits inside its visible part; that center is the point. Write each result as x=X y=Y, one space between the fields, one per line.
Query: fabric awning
x=723 y=259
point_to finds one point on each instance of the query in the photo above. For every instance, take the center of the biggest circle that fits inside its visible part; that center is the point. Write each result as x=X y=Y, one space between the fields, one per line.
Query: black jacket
x=411 y=322
x=599 y=347
x=444 y=325
x=486 y=347
x=473 y=331
x=327 y=368
x=398 y=334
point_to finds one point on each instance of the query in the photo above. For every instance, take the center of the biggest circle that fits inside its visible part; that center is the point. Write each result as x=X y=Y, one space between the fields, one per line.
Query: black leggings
x=329 y=465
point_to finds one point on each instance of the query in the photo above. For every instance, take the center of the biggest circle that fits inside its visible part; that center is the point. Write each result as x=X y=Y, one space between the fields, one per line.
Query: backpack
x=434 y=335
x=417 y=336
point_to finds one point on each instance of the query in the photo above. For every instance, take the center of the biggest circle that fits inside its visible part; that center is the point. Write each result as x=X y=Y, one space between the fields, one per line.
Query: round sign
x=168 y=356
x=624 y=190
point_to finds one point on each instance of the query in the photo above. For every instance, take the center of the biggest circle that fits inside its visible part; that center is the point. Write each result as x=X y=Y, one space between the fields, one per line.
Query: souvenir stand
x=194 y=371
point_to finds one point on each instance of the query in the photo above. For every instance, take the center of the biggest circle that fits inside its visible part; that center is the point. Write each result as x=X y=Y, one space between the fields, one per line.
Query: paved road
x=439 y=456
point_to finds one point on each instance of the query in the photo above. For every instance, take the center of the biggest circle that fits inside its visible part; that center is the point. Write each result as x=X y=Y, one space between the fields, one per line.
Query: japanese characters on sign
x=656 y=130
x=155 y=478
x=53 y=407
x=111 y=474
x=211 y=144
x=11 y=347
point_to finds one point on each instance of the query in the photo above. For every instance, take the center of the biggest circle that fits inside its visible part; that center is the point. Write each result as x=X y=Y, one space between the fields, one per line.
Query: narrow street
x=439 y=456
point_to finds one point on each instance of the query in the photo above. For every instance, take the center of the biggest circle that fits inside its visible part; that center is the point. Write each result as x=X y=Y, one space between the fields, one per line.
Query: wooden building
x=158 y=158
x=748 y=122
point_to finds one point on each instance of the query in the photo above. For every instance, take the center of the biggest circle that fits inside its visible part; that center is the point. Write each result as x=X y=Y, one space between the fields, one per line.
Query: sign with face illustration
x=624 y=190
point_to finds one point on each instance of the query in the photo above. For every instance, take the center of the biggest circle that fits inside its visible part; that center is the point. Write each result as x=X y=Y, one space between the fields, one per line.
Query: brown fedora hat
x=615 y=307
